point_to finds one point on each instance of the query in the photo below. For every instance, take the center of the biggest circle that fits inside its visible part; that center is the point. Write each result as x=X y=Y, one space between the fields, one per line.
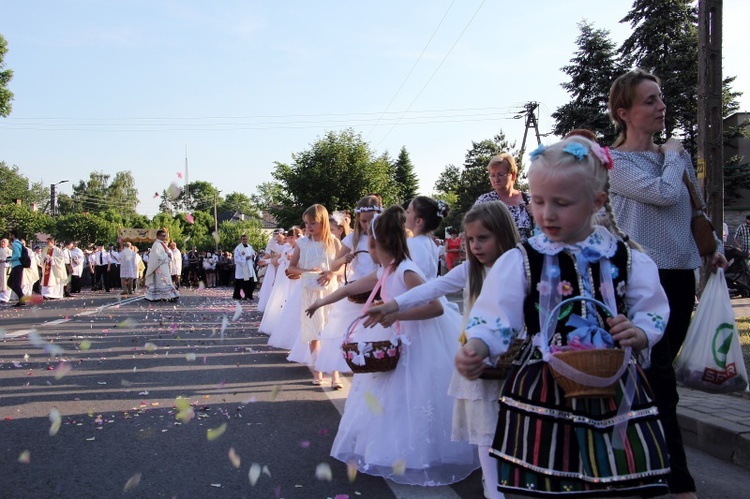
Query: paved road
x=123 y=367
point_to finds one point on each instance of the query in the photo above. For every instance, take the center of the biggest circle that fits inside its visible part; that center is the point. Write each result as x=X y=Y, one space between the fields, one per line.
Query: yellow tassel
x=462 y=339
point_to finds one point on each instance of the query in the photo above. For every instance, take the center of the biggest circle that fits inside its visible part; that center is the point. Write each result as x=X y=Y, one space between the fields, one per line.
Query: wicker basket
x=383 y=356
x=600 y=363
x=504 y=362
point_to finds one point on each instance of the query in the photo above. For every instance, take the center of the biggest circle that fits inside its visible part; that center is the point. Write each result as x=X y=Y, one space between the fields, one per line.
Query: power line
x=219 y=127
x=436 y=70
x=306 y=115
x=412 y=69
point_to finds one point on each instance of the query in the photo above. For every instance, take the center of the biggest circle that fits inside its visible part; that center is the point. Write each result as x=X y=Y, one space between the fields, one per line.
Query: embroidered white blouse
x=497 y=315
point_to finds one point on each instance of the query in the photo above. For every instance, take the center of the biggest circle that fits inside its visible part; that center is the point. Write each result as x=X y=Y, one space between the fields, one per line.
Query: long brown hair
x=496 y=218
x=622 y=95
x=389 y=232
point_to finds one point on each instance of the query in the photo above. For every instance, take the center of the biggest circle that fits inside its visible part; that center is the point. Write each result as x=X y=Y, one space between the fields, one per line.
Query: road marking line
x=24 y=332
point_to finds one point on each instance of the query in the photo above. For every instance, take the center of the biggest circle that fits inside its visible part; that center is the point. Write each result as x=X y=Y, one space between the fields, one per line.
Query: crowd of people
x=57 y=270
x=597 y=257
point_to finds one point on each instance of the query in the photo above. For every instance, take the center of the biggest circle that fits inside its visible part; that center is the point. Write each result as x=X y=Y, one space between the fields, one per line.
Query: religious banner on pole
x=137 y=235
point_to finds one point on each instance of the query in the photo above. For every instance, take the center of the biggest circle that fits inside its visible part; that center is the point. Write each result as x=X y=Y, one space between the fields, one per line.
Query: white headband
x=365 y=209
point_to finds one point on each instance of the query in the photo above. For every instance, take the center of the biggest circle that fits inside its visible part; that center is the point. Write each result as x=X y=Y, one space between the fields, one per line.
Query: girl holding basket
x=396 y=424
x=566 y=429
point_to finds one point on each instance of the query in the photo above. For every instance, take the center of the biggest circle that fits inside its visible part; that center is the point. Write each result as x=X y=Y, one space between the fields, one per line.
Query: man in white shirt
x=175 y=265
x=101 y=269
x=76 y=261
x=68 y=268
x=114 y=267
x=244 y=270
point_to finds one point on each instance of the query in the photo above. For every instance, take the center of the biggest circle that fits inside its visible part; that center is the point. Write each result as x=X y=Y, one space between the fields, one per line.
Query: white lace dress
x=396 y=424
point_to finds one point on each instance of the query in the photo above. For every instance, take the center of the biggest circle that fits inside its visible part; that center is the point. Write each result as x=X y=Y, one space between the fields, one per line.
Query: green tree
x=173 y=226
x=86 y=228
x=237 y=202
x=230 y=232
x=98 y=194
x=6 y=96
x=593 y=68
x=268 y=194
x=28 y=223
x=665 y=42
x=39 y=194
x=336 y=172
x=14 y=184
x=466 y=185
x=200 y=196
x=404 y=176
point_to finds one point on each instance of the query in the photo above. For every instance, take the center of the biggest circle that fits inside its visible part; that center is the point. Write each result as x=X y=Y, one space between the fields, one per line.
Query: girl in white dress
x=354 y=256
x=396 y=424
x=312 y=258
x=490 y=231
x=282 y=288
x=423 y=217
x=273 y=249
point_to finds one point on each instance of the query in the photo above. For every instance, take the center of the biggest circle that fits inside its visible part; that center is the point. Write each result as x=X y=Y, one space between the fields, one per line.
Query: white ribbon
x=364 y=351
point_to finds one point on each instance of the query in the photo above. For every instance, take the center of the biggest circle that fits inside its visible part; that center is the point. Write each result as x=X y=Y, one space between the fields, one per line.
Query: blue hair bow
x=578 y=150
x=537 y=152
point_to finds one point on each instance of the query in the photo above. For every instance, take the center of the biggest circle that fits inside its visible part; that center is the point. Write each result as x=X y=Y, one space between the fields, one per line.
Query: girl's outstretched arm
x=428 y=311
x=453 y=281
x=359 y=286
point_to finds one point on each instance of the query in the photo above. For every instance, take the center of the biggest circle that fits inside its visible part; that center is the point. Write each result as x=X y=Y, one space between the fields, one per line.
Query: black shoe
x=19 y=304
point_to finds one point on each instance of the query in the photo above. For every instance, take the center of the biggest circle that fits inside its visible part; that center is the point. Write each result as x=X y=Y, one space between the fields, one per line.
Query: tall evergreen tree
x=593 y=68
x=665 y=42
x=404 y=176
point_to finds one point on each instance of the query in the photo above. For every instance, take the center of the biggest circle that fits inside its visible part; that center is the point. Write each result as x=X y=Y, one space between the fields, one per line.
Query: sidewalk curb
x=722 y=439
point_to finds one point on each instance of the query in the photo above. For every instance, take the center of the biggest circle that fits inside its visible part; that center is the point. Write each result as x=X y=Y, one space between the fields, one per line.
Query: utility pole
x=53 y=196
x=187 y=181
x=53 y=199
x=529 y=111
x=710 y=117
x=216 y=224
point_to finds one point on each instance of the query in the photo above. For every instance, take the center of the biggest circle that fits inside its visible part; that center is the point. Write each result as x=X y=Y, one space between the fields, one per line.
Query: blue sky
x=111 y=86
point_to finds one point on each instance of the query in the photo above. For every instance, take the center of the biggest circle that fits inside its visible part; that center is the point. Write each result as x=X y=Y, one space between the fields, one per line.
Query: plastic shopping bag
x=711 y=357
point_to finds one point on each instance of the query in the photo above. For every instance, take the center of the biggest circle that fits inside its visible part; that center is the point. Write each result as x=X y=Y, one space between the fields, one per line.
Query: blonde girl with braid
x=547 y=442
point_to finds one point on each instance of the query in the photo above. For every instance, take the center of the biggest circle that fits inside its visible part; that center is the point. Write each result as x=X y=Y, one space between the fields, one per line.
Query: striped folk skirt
x=550 y=446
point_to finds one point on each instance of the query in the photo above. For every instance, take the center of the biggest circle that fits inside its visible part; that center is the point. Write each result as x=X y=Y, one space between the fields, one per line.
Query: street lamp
x=53 y=196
